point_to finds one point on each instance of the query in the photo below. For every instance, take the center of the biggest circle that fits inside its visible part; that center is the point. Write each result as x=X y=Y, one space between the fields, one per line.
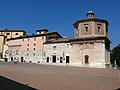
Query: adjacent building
x=7 y=34
x=57 y=51
x=12 y=33
x=29 y=48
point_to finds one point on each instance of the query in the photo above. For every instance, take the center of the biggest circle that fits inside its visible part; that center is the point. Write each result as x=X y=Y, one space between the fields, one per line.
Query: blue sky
x=58 y=15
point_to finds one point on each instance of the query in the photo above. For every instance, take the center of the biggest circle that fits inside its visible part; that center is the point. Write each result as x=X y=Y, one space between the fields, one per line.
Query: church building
x=90 y=46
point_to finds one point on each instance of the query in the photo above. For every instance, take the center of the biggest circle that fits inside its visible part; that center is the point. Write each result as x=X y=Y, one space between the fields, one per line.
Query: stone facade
x=91 y=27
x=5 y=35
x=90 y=46
x=12 y=33
x=80 y=31
x=89 y=52
x=29 y=48
x=96 y=49
x=1 y=44
x=57 y=53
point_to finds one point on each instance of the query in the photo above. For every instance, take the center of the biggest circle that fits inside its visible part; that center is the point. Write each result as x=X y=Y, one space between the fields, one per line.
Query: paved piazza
x=24 y=76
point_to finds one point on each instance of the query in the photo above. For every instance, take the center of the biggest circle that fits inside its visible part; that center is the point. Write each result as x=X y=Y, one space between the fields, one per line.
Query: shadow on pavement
x=117 y=89
x=7 y=84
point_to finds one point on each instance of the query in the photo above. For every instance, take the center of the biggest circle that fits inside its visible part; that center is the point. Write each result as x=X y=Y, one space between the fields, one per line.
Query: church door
x=86 y=59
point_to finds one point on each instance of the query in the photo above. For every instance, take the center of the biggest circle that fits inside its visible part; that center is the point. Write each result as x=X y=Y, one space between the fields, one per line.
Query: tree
x=115 y=55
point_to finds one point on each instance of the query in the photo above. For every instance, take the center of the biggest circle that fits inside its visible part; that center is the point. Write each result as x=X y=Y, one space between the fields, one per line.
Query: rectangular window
x=27 y=49
x=57 y=58
x=28 y=39
x=27 y=44
x=27 y=54
x=16 y=33
x=34 y=48
x=67 y=45
x=54 y=47
x=8 y=33
x=92 y=44
x=34 y=44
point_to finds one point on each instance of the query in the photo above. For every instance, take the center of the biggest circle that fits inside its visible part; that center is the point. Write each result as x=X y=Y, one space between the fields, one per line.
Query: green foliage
x=115 y=55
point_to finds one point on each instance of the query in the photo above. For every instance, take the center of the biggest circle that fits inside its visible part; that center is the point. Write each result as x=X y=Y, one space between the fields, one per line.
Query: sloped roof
x=8 y=30
x=36 y=35
x=68 y=40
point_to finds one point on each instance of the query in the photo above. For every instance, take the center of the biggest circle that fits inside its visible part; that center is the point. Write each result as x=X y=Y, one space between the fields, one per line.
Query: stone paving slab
x=48 y=77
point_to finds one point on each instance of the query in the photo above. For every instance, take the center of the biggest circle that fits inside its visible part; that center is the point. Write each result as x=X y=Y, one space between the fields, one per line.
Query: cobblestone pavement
x=48 y=77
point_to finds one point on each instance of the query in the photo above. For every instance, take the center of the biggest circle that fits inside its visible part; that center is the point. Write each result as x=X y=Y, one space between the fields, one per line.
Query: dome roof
x=90 y=11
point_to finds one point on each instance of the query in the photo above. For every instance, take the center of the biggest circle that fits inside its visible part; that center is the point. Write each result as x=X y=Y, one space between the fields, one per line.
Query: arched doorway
x=86 y=59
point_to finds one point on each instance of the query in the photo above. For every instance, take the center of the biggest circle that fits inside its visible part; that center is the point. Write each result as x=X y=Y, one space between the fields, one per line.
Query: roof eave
x=92 y=19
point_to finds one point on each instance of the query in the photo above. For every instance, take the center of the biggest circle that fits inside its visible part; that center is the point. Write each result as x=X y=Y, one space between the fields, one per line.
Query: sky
x=58 y=15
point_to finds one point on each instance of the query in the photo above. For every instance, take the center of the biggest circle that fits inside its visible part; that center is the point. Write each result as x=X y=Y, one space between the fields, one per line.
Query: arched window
x=86 y=28
x=99 y=29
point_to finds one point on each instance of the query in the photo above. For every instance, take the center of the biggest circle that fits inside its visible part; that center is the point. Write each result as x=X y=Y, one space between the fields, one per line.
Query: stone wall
x=60 y=50
x=1 y=45
x=15 y=53
x=95 y=50
x=92 y=29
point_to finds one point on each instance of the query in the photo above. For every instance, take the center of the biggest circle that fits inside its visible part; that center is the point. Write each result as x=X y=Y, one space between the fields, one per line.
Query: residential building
x=7 y=34
x=29 y=48
x=12 y=33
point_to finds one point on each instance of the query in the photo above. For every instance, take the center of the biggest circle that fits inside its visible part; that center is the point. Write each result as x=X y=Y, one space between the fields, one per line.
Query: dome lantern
x=90 y=14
